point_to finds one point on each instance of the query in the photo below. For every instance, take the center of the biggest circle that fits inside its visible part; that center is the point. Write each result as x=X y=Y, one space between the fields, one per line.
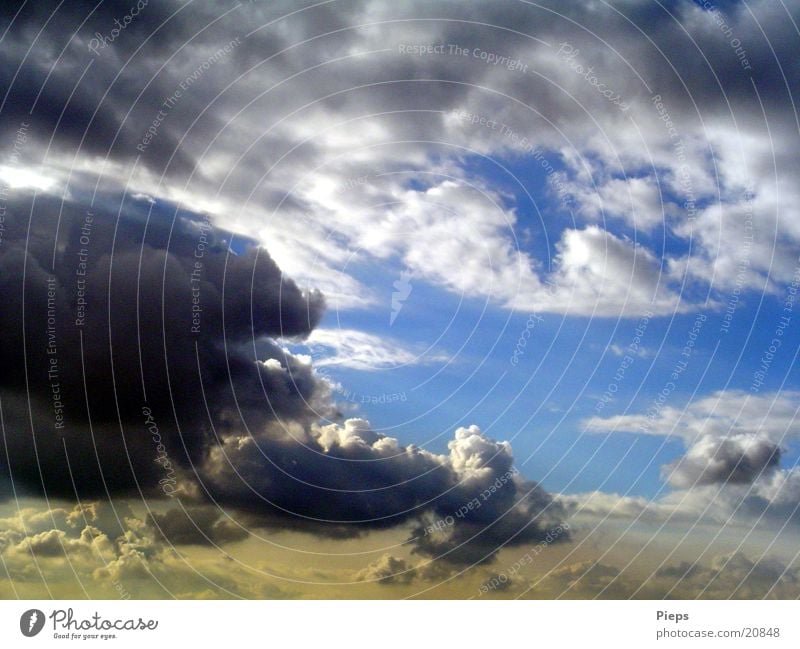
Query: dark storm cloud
x=110 y=330
x=354 y=479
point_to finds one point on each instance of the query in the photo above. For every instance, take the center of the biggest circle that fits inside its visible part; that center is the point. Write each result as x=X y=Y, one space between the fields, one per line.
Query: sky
x=375 y=299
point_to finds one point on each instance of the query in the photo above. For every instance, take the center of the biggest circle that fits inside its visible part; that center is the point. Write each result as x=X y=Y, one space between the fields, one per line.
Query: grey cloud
x=764 y=499
x=349 y=477
x=677 y=71
x=740 y=459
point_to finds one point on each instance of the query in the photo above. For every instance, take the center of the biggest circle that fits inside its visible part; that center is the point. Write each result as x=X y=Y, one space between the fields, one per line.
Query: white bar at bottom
x=389 y=624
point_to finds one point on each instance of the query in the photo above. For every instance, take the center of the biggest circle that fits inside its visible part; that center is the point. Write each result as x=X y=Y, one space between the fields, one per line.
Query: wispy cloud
x=363 y=351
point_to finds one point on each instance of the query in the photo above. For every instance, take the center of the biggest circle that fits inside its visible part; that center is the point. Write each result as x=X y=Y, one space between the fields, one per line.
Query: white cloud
x=363 y=351
x=637 y=201
x=19 y=177
x=461 y=238
x=723 y=413
x=619 y=350
x=600 y=273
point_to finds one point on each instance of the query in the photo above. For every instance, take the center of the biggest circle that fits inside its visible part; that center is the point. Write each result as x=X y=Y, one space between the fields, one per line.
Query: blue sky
x=565 y=369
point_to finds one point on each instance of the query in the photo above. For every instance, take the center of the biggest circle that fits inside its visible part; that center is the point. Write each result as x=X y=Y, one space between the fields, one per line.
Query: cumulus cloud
x=600 y=273
x=734 y=445
x=733 y=575
x=347 y=478
x=731 y=472
x=765 y=497
x=635 y=200
x=581 y=580
x=79 y=550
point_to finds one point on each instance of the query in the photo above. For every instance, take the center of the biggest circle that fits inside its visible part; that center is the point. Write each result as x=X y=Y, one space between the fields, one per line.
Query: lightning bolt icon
x=32 y=621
